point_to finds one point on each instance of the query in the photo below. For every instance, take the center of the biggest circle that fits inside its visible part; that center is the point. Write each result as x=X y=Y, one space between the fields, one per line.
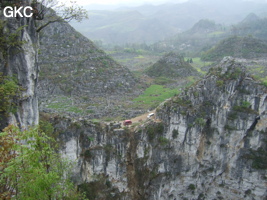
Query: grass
x=139 y=57
x=198 y=64
x=154 y=95
x=64 y=104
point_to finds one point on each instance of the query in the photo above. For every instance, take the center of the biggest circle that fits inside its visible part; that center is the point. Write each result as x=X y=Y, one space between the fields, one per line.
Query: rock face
x=207 y=143
x=22 y=64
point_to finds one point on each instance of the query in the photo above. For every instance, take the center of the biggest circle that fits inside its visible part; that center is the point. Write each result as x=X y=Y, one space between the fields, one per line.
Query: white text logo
x=18 y=12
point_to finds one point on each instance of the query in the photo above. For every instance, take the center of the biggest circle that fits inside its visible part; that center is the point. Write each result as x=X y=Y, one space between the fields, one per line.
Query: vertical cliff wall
x=207 y=143
x=21 y=62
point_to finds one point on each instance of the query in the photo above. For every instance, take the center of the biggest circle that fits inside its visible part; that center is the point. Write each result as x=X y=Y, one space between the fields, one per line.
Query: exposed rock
x=207 y=143
x=22 y=64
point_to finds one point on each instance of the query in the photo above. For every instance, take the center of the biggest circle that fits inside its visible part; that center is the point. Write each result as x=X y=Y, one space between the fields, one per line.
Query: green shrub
x=175 y=133
x=191 y=187
x=34 y=170
x=219 y=83
x=154 y=130
x=163 y=141
x=200 y=121
x=9 y=93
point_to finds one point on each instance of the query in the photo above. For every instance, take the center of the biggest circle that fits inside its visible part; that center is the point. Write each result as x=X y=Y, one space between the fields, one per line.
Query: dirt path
x=140 y=118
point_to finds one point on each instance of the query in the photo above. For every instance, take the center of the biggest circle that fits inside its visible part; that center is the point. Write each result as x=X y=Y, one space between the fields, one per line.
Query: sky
x=132 y=2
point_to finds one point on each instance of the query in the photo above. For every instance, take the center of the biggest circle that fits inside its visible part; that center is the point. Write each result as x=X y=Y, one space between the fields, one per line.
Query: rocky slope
x=21 y=63
x=172 y=65
x=73 y=69
x=240 y=47
x=209 y=142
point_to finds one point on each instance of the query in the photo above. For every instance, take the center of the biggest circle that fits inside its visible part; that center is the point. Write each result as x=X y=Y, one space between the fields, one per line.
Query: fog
x=131 y=21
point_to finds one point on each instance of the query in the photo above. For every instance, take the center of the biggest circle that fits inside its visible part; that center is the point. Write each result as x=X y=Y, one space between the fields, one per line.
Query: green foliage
x=191 y=187
x=248 y=192
x=182 y=102
x=64 y=104
x=200 y=121
x=258 y=157
x=91 y=139
x=229 y=128
x=163 y=81
x=35 y=171
x=8 y=39
x=154 y=95
x=175 y=133
x=100 y=188
x=232 y=115
x=46 y=127
x=244 y=107
x=219 y=83
x=163 y=141
x=153 y=130
x=9 y=92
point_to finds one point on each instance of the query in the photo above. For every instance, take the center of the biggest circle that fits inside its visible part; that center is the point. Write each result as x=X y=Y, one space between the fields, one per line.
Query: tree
x=9 y=90
x=50 y=11
x=30 y=169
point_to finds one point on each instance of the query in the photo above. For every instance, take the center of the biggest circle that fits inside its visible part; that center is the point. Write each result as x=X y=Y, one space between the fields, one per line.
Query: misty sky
x=133 y=2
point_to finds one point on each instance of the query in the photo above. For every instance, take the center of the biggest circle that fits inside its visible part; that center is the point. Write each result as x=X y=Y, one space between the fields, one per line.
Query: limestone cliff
x=207 y=143
x=21 y=62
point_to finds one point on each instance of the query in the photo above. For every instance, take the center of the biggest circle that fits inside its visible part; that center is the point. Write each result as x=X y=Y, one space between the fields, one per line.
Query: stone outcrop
x=209 y=142
x=22 y=64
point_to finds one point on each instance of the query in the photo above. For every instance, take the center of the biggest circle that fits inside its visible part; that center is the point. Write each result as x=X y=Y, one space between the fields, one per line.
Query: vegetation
x=200 y=121
x=154 y=95
x=191 y=187
x=30 y=168
x=258 y=157
x=244 y=47
x=101 y=188
x=163 y=141
x=64 y=11
x=171 y=65
x=65 y=104
x=9 y=40
x=155 y=129
x=244 y=107
x=175 y=133
x=9 y=92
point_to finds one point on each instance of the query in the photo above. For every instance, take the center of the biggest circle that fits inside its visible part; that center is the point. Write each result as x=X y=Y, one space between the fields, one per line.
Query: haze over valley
x=164 y=100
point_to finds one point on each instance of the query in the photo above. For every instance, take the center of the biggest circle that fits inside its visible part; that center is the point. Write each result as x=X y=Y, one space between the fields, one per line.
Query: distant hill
x=241 y=47
x=127 y=26
x=171 y=65
x=252 y=25
x=204 y=34
x=149 y=23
